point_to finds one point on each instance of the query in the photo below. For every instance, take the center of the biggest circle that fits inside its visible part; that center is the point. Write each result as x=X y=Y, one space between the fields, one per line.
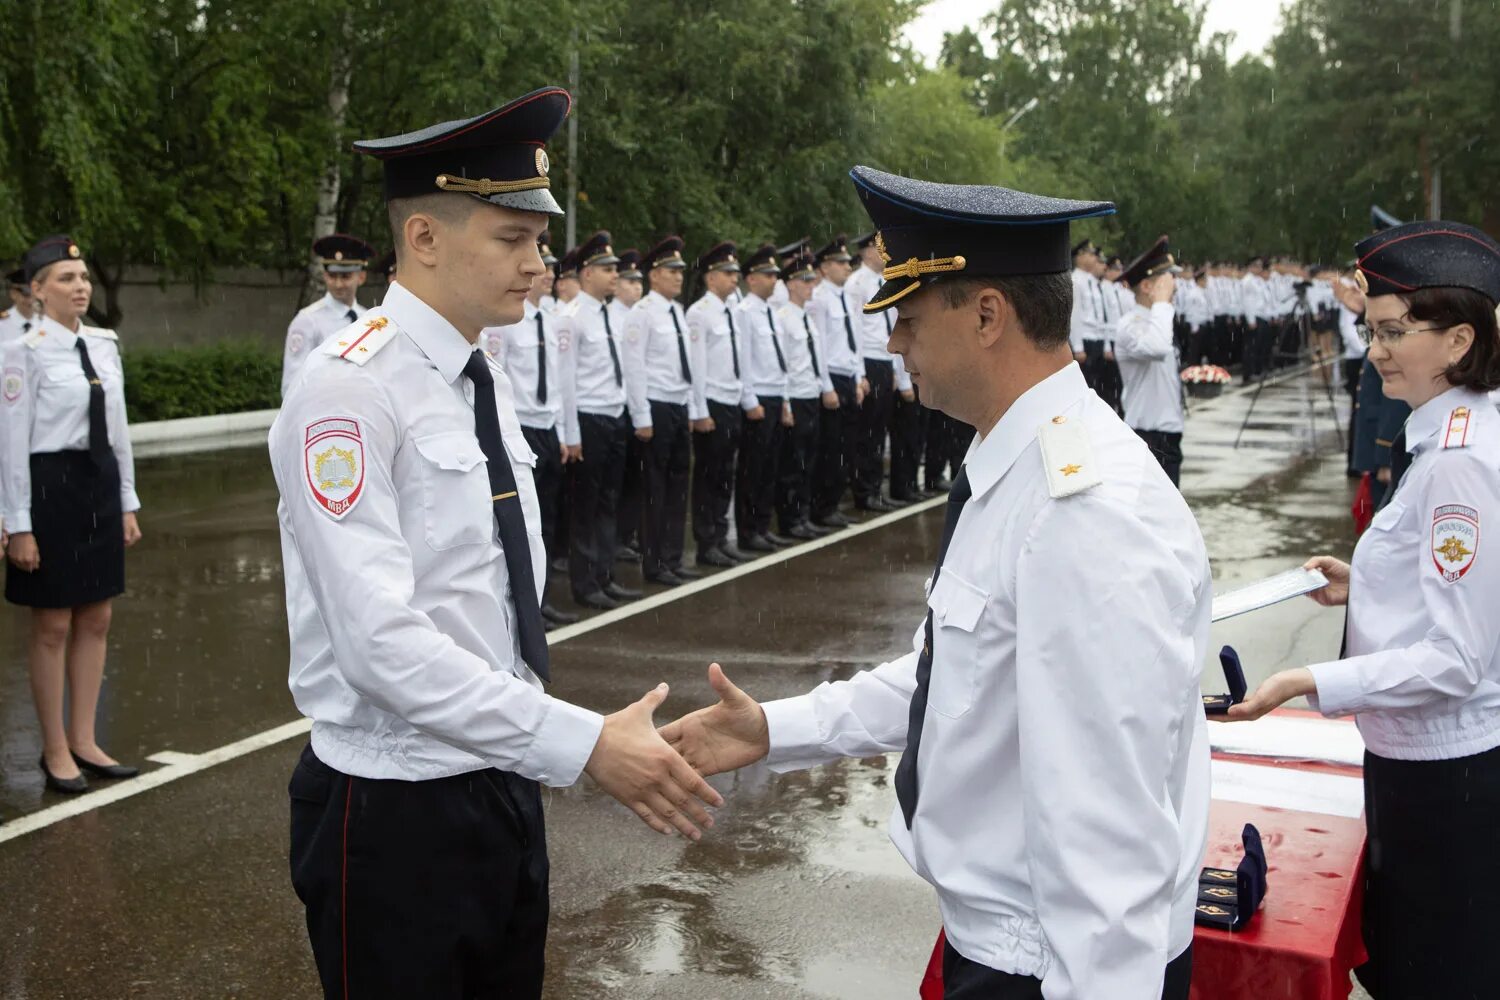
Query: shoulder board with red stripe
x=359 y=341
x=1460 y=428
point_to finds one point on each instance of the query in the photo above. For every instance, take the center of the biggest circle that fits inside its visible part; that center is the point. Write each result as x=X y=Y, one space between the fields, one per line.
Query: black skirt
x=1430 y=879
x=76 y=519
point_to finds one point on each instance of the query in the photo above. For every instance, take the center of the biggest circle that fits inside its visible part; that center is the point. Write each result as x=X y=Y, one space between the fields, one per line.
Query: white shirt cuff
x=1339 y=691
x=796 y=741
x=18 y=522
x=130 y=502
x=562 y=744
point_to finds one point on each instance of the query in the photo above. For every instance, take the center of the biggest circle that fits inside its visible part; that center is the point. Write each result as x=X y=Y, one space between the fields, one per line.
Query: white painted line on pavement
x=180 y=765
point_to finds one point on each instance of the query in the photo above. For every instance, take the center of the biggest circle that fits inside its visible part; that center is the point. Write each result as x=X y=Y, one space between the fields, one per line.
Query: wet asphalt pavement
x=182 y=891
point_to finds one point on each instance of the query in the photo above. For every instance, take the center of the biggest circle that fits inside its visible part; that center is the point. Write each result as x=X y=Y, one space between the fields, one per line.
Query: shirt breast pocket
x=455 y=490
x=956 y=606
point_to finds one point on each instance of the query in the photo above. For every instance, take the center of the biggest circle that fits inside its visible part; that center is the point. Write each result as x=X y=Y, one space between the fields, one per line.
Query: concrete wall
x=240 y=304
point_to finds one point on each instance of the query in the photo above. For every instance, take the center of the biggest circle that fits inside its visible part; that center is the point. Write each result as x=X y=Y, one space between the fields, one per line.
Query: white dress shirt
x=1354 y=347
x=515 y=349
x=716 y=353
x=1064 y=767
x=863 y=286
x=313 y=325
x=1255 y=298
x=44 y=397
x=584 y=364
x=653 y=328
x=1422 y=669
x=1144 y=348
x=840 y=345
x=404 y=648
x=807 y=376
x=766 y=348
x=13 y=324
x=1087 y=319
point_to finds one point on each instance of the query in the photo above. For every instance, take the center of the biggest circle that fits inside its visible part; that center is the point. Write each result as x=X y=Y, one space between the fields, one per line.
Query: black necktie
x=98 y=428
x=687 y=373
x=734 y=346
x=780 y=358
x=1400 y=462
x=614 y=355
x=351 y=315
x=509 y=517
x=906 y=771
x=848 y=326
x=885 y=314
x=810 y=348
x=541 y=360
x=26 y=326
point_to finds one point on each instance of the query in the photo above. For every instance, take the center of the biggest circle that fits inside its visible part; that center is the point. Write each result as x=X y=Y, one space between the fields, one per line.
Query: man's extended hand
x=634 y=764
x=722 y=737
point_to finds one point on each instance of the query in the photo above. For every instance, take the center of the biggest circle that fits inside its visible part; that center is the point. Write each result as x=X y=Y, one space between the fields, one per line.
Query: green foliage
x=226 y=377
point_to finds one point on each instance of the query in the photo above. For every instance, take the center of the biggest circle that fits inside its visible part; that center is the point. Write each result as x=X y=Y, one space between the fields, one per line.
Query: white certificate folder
x=1272 y=590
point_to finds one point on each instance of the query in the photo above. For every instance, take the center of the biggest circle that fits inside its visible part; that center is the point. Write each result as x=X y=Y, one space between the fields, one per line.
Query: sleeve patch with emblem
x=334 y=457
x=13 y=381
x=1455 y=540
x=294 y=343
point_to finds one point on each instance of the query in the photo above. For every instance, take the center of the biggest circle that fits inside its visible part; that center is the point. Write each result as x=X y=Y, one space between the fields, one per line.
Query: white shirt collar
x=50 y=327
x=991 y=457
x=437 y=338
x=587 y=301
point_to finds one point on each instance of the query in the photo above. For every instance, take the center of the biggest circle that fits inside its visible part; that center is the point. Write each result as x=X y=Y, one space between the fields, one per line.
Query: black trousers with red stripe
x=433 y=889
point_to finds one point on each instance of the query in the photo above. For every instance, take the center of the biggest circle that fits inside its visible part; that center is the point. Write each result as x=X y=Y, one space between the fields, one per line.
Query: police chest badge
x=335 y=461
x=1455 y=540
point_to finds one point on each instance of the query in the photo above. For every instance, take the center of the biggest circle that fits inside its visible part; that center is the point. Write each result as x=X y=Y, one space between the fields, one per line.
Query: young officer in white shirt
x=1055 y=782
x=528 y=352
x=344 y=260
x=665 y=393
x=1420 y=671
x=1147 y=353
x=412 y=543
x=809 y=387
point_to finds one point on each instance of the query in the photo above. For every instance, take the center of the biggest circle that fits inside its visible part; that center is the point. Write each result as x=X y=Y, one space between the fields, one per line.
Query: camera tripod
x=1297 y=330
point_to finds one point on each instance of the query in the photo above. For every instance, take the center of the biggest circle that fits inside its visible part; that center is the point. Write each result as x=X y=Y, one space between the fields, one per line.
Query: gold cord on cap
x=484 y=187
x=914 y=268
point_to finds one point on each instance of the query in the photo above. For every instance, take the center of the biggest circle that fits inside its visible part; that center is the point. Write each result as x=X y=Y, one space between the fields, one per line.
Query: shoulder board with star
x=568 y=309
x=361 y=340
x=1068 y=455
x=4 y=314
x=94 y=331
x=1460 y=429
x=34 y=339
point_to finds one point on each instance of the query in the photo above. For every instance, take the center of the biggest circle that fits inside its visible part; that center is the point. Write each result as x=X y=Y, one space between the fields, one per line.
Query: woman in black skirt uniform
x=1421 y=667
x=69 y=505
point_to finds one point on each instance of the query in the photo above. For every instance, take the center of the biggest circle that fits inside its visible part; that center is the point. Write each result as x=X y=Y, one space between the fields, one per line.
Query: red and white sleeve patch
x=334 y=457
x=1455 y=540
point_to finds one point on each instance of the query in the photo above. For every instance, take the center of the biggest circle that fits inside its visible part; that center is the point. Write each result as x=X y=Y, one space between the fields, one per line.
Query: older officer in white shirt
x=411 y=538
x=1421 y=669
x=344 y=260
x=1055 y=782
x=1147 y=353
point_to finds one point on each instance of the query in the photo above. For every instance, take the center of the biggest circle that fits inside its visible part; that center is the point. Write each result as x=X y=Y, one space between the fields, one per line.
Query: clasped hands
x=658 y=773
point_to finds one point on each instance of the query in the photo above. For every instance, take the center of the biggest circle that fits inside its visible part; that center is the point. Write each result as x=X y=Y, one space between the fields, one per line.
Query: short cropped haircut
x=1042 y=302
x=450 y=207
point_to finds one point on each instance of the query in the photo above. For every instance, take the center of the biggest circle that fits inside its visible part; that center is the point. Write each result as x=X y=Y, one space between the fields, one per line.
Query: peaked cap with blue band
x=1435 y=254
x=499 y=156
x=925 y=230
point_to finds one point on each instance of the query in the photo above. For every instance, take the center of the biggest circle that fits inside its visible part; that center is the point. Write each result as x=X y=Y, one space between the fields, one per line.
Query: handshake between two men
x=658 y=773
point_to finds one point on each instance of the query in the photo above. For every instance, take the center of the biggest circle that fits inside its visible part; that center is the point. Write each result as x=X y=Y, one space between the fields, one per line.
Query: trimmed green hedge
x=227 y=377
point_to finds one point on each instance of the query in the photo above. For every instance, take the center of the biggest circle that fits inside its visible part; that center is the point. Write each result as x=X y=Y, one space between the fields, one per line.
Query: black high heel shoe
x=68 y=786
x=105 y=770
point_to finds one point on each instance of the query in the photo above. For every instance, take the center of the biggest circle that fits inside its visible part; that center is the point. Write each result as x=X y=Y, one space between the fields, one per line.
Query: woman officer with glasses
x=1420 y=671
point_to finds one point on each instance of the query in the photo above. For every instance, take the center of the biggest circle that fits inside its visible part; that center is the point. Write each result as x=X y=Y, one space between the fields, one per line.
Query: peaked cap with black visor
x=925 y=230
x=499 y=156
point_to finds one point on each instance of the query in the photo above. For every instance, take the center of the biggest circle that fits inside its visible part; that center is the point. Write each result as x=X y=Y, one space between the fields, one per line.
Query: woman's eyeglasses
x=1389 y=335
